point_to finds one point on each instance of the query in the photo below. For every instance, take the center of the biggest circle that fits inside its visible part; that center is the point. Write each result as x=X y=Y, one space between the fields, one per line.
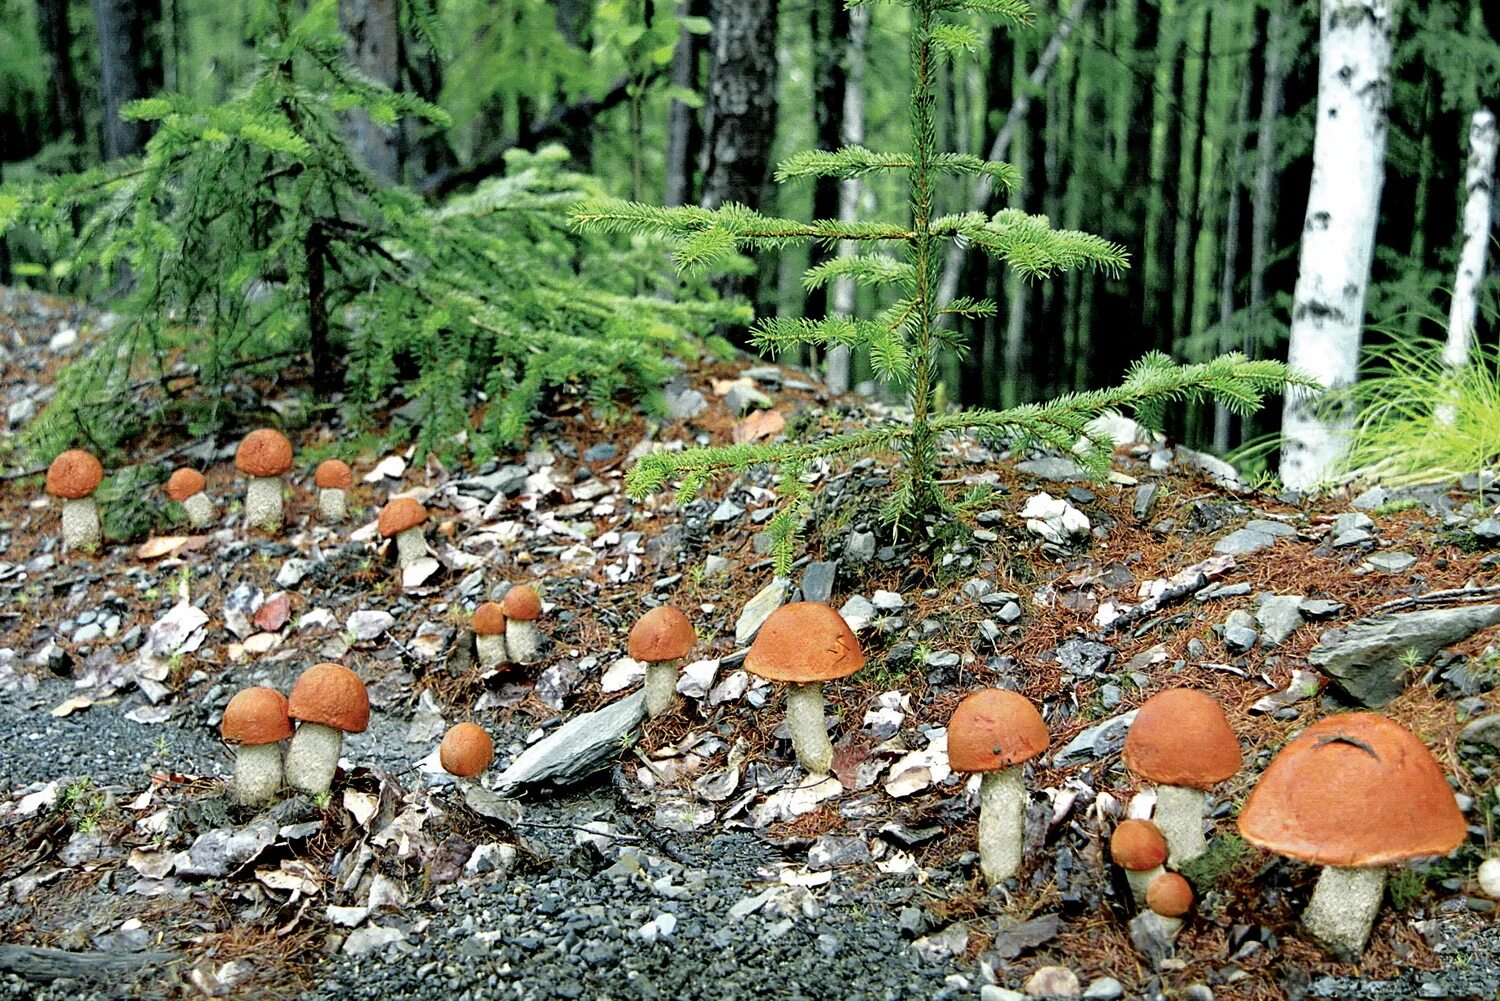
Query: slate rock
x=578 y=748
x=1484 y=730
x=1055 y=468
x=1244 y=541
x=1278 y=617
x=1366 y=659
x=220 y=852
x=1097 y=741
x=817 y=580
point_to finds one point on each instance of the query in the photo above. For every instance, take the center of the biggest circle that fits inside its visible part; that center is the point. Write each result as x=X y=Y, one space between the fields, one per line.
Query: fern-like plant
x=904 y=340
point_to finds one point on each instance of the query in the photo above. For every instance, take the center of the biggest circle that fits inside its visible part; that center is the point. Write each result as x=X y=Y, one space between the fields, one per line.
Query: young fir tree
x=904 y=340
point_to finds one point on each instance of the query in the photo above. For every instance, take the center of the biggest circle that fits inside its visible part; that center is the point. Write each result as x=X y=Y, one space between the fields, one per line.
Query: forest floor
x=698 y=861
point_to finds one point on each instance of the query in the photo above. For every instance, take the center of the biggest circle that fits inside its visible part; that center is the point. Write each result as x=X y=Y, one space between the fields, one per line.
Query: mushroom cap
x=489 y=620
x=1353 y=790
x=265 y=452
x=332 y=695
x=522 y=603
x=399 y=515
x=803 y=642
x=1138 y=845
x=1170 y=895
x=333 y=474
x=256 y=716
x=74 y=474
x=993 y=729
x=184 y=483
x=1180 y=737
x=466 y=750
x=663 y=633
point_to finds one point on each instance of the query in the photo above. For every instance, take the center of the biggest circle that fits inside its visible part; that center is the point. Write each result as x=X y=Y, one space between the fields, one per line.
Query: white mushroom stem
x=661 y=687
x=1343 y=907
x=200 y=510
x=257 y=773
x=410 y=546
x=523 y=641
x=80 y=524
x=1179 y=817
x=313 y=757
x=1002 y=823
x=332 y=505
x=1140 y=882
x=491 y=650
x=263 y=503
x=804 y=724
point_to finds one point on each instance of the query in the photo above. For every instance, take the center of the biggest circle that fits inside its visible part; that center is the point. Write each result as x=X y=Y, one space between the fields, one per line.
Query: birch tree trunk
x=1479 y=186
x=373 y=31
x=841 y=297
x=1338 y=235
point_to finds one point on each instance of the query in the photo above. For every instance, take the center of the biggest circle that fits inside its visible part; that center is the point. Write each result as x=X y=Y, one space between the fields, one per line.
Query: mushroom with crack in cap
x=661 y=639
x=805 y=644
x=404 y=518
x=256 y=721
x=489 y=635
x=1182 y=741
x=264 y=455
x=73 y=477
x=1353 y=793
x=466 y=750
x=523 y=637
x=333 y=478
x=187 y=487
x=1138 y=847
x=995 y=732
x=329 y=701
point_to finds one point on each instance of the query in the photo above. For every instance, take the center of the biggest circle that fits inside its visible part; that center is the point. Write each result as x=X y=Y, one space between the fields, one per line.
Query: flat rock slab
x=576 y=749
x=1368 y=660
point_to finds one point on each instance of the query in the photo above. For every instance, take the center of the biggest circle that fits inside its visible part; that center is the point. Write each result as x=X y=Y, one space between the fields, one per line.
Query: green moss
x=1212 y=867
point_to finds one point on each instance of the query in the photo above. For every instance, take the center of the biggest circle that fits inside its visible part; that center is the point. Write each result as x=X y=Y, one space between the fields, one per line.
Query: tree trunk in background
x=740 y=126
x=129 y=69
x=1164 y=111
x=1479 y=186
x=64 y=101
x=1338 y=236
x=1018 y=385
x=829 y=25
x=1229 y=265
x=572 y=20
x=684 y=130
x=1263 y=205
x=1188 y=231
x=1416 y=252
x=373 y=29
x=841 y=301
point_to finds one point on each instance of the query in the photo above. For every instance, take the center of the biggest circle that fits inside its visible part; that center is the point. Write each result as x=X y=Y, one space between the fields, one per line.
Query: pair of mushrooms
x=1138 y=847
x=265 y=456
x=328 y=701
x=506 y=631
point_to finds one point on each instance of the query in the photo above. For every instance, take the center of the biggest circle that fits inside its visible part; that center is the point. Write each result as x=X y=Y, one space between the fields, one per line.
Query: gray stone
x=240 y=606
x=1097 y=741
x=1104 y=989
x=1356 y=537
x=1084 y=658
x=888 y=601
x=1240 y=639
x=715 y=565
x=989 y=992
x=685 y=404
x=742 y=397
x=578 y=748
x=1153 y=935
x=1145 y=501
x=1278 y=617
x=727 y=511
x=1488 y=531
x=1010 y=613
x=1275 y=529
x=1053 y=982
x=1371 y=499
x=220 y=852
x=367 y=624
x=371 y=938
x=292 y=572
x=833 y=850
x=758 y=609
x=1243 y=541
x=507 y=480
x=1352 y=521
x=1366 y=659
x=1392 y=562
x=1484 y=730
x=1321 y=608
x=817 y=580
x=860 y=548
x=1052 y=467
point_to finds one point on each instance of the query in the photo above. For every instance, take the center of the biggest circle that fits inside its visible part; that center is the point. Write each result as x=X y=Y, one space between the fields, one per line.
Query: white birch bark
x=841 y=297
x=1338 y=236
x=1476 y=240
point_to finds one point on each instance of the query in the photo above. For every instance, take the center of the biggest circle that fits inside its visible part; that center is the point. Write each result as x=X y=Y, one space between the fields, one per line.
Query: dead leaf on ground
x=760 y=424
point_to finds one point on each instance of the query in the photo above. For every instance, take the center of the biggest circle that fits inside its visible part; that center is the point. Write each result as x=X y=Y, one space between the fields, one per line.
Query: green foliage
x=1213 y=867
x=130 y=502
x=1404 y=888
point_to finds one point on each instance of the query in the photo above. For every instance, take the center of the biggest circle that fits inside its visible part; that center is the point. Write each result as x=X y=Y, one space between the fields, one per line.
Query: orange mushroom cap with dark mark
x=184 y=483
x=332 y=695
x=804 y=642
x=466 y=750
x=1170 y=895
x=333 y=474
x=489 y=620
x=1355 y=790
x=1181 y=737
x=663 y=633
x=256 y=716
x=1138 y=845
x=263 y=453
x=399 y=515
x=993 y=729
x=521 y=603
x=74 y=474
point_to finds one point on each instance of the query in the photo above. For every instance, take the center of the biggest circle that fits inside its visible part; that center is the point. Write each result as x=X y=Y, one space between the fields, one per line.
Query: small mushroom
x=74 y=476
x=186 y=487
x=1170 y=898
x=805 y=644
x=489 y=635
x=256 y=719
x=1181 y=741
x=329 y=700
x=264 y=456
x=1353 y=793
x=332 y=479
x=1489 y=878
x=661 y=639
x=1138 y=847
x=466 y=750
x=404 y=518
x=522 y=606
x=995 y=732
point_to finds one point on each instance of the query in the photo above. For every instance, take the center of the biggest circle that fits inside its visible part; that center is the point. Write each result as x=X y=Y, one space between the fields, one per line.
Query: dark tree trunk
x=129 y=68
x=572 y=20
x=315 y=247
x=373 y=28
x=830 y=42
x=684 y=129
x=64 y=101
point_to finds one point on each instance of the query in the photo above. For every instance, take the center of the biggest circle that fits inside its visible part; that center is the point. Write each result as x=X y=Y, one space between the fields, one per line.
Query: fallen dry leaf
x=161 y=545
x=274 y=613
x=71 y=706
x=760 y=424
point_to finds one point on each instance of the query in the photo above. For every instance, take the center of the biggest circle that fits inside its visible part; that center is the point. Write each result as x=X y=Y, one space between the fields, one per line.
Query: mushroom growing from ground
x=1170 y=897
x=805 y=644
x=660 y=640
x=404 y=518
x=1353 y=793
x=256 y=719
x=329 y=700
x=996 y=732
x=333 y=478
x=489 y=635
x=185 y=486
x=1138 y=847
x=466 y=750
x=523 y=638
x=74 y=476
x=1181 y=741
x=264 y=455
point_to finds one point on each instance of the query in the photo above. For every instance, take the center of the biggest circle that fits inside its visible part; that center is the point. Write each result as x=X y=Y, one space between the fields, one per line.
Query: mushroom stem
x=804 y=723
x=263 y=503
x=1343 y=907
x=80 y=524
x=257 y=773
x=410 y=546
x=1179 y=817
x=661 y=687
x=1002 y=823
x=491 y=650
x=313 y=757
x=523 y=641
x=331 y=504
x=200 y=510
x=1140 y=882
